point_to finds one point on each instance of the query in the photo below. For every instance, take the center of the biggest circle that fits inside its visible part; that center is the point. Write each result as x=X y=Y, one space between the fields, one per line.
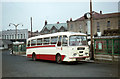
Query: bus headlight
x=74 y=54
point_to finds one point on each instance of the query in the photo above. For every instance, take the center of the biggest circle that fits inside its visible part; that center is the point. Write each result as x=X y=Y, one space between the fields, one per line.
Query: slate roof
x=58 y=26
x=100 y=16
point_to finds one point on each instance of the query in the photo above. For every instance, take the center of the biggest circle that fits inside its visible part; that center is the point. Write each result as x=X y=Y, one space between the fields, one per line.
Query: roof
x=100 y=16
x=58 y=26
x=58 y=34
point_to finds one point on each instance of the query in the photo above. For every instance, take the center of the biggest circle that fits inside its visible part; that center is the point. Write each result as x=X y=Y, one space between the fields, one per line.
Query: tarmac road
x=20 y=66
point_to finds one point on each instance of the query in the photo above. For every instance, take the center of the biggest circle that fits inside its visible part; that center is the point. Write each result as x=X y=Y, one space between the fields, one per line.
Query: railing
x=107 y=46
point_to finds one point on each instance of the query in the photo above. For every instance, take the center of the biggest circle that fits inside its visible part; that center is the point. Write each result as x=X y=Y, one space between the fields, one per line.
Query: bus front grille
x=80 y=48
x=80 y=51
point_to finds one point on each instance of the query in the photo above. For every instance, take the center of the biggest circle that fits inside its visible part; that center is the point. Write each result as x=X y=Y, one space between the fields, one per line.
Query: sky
x=53 y=12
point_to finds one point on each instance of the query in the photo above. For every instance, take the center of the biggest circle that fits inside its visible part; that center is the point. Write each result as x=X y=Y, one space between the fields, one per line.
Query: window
x=53 y=31
x=2 y=36
x=62 y=30
x=15 y=36
x=77 y=40
x=71 y=27
x=98 y=25
x=18 y=36
x=24 y=35
x=46 y=41
x=12 y=36
x=45 y=32
x=7 y=37
x=59 y=41
x=28 y=43
x=21 y=36
x=98 y=30
x=65 y=41
x=33 y=42
x=108 y=23
x=39 y=41
x=54 y=40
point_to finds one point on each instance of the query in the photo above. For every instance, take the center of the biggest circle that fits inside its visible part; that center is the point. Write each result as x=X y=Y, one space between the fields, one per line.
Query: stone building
x=35 y=33
x=53 y=28
x=22 y=35
x=101 y=22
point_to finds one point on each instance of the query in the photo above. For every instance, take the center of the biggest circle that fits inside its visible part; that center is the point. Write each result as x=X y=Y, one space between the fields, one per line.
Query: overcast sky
x=20 y=12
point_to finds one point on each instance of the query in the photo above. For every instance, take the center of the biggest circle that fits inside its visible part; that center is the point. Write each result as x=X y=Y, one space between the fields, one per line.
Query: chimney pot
x=57 y=22
x=100 y=12
x=70 y=19
x=45 y=22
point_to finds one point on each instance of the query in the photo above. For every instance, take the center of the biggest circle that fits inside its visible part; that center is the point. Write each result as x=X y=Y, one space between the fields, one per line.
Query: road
x=20 y=66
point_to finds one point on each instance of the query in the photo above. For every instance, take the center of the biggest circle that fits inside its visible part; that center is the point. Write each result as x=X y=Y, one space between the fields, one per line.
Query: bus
x=59 y=47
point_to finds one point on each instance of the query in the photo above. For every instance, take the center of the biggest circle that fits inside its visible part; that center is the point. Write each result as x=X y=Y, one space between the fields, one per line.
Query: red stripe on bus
x=41 y=46
x=46 y=57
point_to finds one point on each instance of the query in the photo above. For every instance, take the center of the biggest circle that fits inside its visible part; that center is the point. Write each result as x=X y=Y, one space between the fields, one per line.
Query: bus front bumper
x=79 y=57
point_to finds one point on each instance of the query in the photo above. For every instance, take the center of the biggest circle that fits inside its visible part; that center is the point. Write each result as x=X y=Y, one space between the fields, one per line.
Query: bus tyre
x=58 y=59
x=34 y=57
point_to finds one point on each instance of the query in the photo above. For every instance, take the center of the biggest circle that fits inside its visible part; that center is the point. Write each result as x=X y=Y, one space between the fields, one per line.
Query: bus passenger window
x=39 y=41
x=59 y=41
x=28 y=44
x=65 y=41
x=46 y=41
x=33 y=42
x=54 y=40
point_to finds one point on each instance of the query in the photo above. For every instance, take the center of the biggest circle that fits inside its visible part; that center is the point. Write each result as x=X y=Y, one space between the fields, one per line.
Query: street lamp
x=91 y=24
x=16 y=25
x=89 y=16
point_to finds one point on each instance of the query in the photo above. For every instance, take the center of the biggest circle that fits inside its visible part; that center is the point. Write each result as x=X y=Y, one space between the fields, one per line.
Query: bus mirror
x=66 y=38
x=59 y=44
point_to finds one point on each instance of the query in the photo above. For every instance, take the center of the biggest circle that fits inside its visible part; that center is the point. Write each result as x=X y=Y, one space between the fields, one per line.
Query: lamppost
x=89 y=16
x=91 y=24
x=16 y=25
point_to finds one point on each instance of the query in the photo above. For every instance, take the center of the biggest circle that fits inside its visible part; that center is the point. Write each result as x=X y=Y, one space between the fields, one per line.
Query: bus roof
x=58 y=34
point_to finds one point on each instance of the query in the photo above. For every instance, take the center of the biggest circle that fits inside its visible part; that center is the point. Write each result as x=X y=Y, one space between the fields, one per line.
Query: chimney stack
x=45 y=22
x=70 y=19
x=100 y=12
x=57 y=22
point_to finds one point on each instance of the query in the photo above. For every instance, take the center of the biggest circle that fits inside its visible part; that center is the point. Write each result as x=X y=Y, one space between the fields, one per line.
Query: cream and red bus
x=61 y=46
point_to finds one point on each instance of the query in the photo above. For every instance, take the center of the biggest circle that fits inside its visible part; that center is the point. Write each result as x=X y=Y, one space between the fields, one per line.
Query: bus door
x=59 y=44
x=64 y=44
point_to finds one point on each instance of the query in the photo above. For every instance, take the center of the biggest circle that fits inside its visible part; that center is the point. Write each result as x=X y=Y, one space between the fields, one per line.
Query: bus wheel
x=58 y=59
x=34 y=57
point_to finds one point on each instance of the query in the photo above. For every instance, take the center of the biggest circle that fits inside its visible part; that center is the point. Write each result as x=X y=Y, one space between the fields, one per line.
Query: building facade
x=22 y=35
x=101 y=22
x=36 y=33
x=53 y=28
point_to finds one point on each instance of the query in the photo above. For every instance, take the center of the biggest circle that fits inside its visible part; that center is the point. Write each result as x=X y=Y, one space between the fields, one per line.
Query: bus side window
x=33 y=42
x=39 y=41
x=65 y=41
x=28 y=44
x=46 y=41
x=59 y=41
x=54 y=40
